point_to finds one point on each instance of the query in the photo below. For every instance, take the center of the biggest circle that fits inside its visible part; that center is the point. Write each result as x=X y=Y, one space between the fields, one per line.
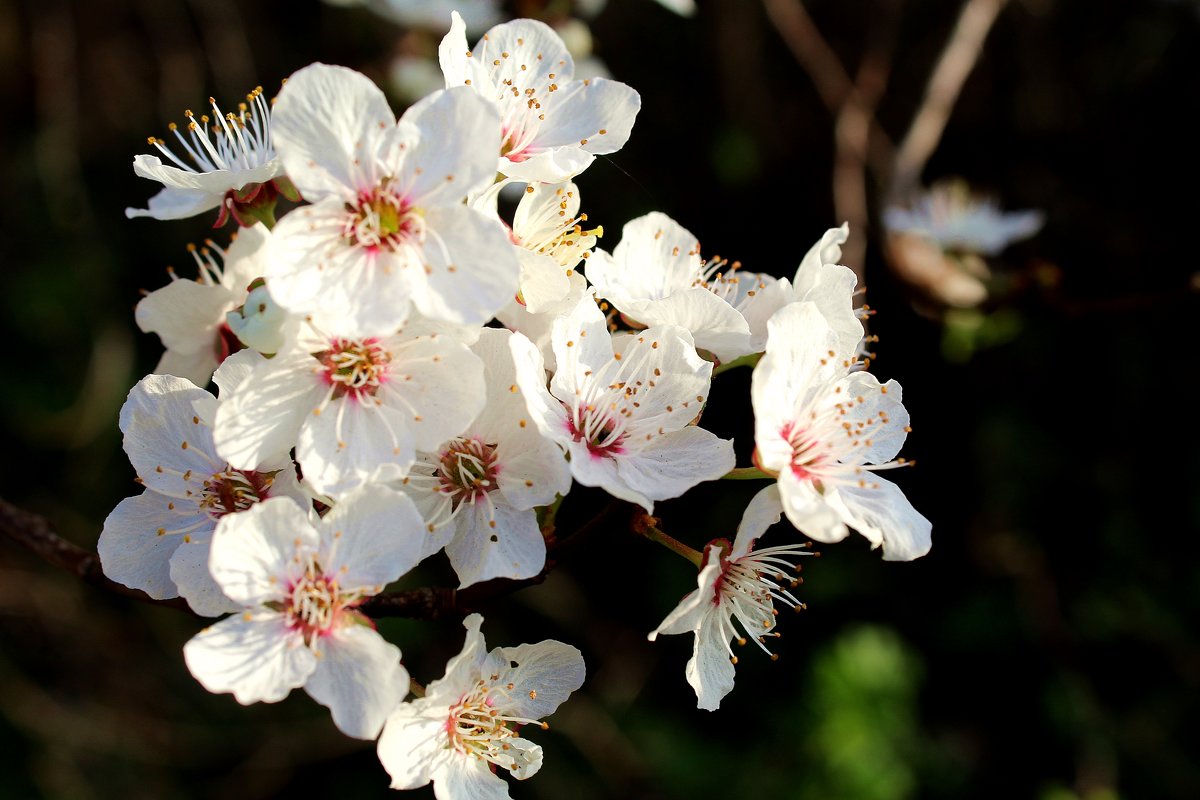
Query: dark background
x=1045 y=648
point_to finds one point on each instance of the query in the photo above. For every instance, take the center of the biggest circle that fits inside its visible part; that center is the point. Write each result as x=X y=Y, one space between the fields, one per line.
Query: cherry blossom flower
x=736 y=583
x=824 y=428
x=482 y=486
x=387 y=229
x=621 y=407
x=357 y=409
x=159 y=540
x=200 y=322
x=298 y=578
x=552 y=127
x=467 y=724
x=228 y=156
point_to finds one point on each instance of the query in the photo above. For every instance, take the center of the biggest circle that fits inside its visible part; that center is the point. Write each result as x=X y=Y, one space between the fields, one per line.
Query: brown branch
x=36 y=534
x=833 y=83
x=949 y=74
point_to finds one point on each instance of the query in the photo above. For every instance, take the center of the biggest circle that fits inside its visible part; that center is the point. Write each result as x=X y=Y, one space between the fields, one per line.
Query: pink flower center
x=467 y=470
x=313 y=602
x=604 y=438
x=354 y=367
x=809 y=456
x=382 y=220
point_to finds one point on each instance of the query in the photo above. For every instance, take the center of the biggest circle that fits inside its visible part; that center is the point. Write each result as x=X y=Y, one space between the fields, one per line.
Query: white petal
x=826 y=250
x=354 y=441
x=582 y=345
x=464 y=669
x=196 y=367
x=832 y=288
x=592 y=469
x=546 y=412
x=214 y=183
x=172 y=203
x=655 y=258
x=533 y=470
x=359 y=679
x=543 y=280
x=463 y=778
x=469 y=270
x=809 y=511
x=709 y=671
x=331 y=127
x=413 y=743
x=165 y=439
x=715 y=325
x=235 y=369
x=885 y=439
x=189 y=570
x=252 y=550
x=513 y=548
x=882 y=513
x=548 y=166
x=185 y=314
x=131 y=551
x=548 y=670
x=455 y=153
x=675 y=462
x=253 y=655
x=377 y=535
x=687 y=616
x=582 y=109
x=764 y=510
x=263 y=418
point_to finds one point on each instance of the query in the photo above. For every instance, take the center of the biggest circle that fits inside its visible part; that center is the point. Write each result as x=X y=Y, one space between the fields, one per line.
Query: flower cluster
x=369 y=416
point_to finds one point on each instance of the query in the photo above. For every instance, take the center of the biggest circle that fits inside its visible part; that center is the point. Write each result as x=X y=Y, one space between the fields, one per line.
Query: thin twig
x=950 y=73
x=36 y=534
x=830 y=78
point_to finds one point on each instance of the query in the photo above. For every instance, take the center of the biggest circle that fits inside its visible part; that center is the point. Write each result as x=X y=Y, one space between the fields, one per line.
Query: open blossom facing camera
x=622 y=406
x=480 y=488
x=227 y=160
x=825 y=430
x=357 y=409
x=386 y=229
x=468 y=722
x=298 y=580
x=552 y=127
x=740 y=583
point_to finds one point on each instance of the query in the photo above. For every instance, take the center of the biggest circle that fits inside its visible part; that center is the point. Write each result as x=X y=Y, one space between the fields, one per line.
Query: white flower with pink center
x=825 y=429
x=739 y=583
x=297 y=579
x=191 y=316
x=357 y=409
x=159 y=540
x=468 y=723
x=622 y=407
x=478 y=492
x=386 y=229
x=552 y=127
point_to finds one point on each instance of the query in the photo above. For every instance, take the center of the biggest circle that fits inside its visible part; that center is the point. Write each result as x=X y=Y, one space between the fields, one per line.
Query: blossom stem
x=645 y=527
x=744 y=361
x=416 y=689
x=746 y=474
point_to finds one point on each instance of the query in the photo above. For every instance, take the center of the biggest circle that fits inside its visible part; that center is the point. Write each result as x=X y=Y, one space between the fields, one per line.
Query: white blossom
x=298 y=579
x=468 y=722
x=552 y=127
x=622 y=406
x=551 y=241
x=479 y=490
x=357 y=409
x=387 y=229
x=824 y=428
x=736 y=582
